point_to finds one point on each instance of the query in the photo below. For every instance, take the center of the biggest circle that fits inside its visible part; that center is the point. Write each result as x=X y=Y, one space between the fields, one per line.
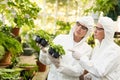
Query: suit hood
x=88 y=21
x=109 y=27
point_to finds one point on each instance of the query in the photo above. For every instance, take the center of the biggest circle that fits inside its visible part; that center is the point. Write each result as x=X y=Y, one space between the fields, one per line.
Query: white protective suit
x=105 y=61
x=70 y=68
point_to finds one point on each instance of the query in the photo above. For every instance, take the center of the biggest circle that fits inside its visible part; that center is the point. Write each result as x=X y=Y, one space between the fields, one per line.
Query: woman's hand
x=55 y=61
x=44 y=49
x=75 y=54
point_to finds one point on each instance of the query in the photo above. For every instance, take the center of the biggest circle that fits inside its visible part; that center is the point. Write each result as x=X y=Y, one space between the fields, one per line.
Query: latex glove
x=55 y=61
x=44 y=49
x=75 y=54
x=87 y=77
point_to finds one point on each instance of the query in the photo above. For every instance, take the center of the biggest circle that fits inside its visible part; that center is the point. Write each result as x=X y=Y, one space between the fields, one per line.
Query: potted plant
x=23 y=13
x=42 y=38
x=11 y=45
x=27 y=50
x=56 y=50
x=30 y=35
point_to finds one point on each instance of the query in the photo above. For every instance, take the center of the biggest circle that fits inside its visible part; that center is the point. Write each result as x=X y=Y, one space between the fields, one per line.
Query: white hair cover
x=88 y=21
x=109 y=27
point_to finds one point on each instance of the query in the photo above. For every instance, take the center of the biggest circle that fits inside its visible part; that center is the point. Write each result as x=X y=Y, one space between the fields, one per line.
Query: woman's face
x=99 y=32
x=80 y=30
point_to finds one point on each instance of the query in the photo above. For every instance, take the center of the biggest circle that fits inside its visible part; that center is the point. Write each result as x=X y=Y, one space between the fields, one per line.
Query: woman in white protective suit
x=105 y=60
x=68 y=68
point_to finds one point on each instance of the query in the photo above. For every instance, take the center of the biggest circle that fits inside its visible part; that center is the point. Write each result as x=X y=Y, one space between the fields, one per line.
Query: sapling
x=42 y=38
x=56 y=50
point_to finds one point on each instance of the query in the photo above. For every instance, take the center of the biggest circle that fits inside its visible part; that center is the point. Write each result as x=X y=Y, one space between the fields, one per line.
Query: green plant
x=117 y=41
x=32 y=43
x=1 y=22
x=6 y=29
x=29 y=71
x=102 y=5
x=10 y=44
x=24 y=12
x=14 y=60
x=114 y=13
x=48 y=37
x=109 y=8
x=91 y=41
x=10 y=74
x=63 y=27
x=26 y=65
x=56 y=50
x=2 y=52
x=45 y=35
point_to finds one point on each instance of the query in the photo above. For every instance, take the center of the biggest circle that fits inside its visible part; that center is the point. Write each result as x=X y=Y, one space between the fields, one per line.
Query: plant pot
x=15 y=31
x=41 y=66
x=28 y=51
x=25 y=45
x=41 y=41
x=44 y=43
x=6 y=60
x=53 y=53
x=38 y=39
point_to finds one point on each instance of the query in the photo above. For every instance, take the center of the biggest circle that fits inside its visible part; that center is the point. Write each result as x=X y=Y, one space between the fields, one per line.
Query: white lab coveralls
x=105 y=61
x=70 y=68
